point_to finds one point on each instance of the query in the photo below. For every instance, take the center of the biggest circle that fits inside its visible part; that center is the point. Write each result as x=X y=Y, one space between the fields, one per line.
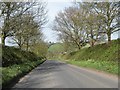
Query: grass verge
x=12 y=74
x=103 y=57
x=107 y=66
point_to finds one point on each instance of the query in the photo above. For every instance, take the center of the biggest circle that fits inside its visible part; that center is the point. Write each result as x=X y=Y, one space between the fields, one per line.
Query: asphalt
x=56 y=74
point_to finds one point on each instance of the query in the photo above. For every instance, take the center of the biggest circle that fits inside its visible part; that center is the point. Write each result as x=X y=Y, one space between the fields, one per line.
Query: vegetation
x=9 y=74
x=40 y=49
x=55 y=50
x=22 y=22
x=16 y=63
x=90 y=24
x=101 y=57
x=77 y=26
x=110 y=67
x=87 y=22
x=57 y=47
x=11 y=56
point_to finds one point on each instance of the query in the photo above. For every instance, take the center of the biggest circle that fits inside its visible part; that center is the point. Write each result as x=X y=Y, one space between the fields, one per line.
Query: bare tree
x=91 y=23
x=17 y=9
x=108 y=12
x=69 y=24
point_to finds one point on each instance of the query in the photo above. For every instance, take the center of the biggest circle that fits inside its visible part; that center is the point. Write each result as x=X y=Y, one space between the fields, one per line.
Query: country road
x=55 y=74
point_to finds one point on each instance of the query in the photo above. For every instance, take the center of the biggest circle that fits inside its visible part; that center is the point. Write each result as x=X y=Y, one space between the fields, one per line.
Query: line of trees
x=23 y=22
x=86 y=22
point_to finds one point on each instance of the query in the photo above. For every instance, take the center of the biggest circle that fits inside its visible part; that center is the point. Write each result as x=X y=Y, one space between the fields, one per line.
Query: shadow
x=49 y=66
x=16 y=79
x=40 y=75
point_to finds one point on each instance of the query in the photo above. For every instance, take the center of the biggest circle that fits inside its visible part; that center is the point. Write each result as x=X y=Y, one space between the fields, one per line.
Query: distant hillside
x=55 y=50
x=57 y=47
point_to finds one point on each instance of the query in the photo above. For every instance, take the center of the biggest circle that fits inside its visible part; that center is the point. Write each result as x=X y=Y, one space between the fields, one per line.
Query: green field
x=57 y=47
x=55 y=50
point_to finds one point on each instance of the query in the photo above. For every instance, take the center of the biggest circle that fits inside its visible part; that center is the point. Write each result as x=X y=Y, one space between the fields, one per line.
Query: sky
x=53 y=8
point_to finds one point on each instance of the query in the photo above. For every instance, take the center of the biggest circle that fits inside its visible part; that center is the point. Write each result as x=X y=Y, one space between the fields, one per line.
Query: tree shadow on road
x=40 y=75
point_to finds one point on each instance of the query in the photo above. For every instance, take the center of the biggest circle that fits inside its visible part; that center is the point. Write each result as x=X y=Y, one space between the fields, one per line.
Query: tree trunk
x=92 y=43
x=3 y=40
x=79 y=47
x=19 y=46
x=92 y=38
x=109 y=39
x=27 y=45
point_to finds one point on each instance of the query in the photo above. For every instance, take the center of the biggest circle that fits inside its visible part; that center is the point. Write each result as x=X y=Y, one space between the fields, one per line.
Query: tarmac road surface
x=56 y=74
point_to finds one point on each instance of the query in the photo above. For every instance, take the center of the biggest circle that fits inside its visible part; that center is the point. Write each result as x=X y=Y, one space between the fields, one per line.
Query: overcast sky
x=53 y=9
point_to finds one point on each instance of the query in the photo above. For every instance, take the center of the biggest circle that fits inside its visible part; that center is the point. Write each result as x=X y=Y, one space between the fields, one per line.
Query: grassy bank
x=103 y=57
x=106 y=66
x=12 y=73
x=17 y=63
